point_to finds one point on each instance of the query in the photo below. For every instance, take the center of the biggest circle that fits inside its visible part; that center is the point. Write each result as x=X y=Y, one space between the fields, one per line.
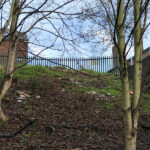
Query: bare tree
x=7 y=20
x=115 y=18
x=28 y=15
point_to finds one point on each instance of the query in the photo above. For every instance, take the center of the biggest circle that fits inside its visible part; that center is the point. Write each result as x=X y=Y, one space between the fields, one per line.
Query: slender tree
x=24 y=17
x=115 y=18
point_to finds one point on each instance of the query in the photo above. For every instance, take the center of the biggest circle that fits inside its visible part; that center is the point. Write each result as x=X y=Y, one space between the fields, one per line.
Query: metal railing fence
x=98 y=64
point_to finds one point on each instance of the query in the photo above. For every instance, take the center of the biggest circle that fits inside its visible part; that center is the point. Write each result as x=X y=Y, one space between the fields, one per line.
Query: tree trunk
x=129 y=136
x=3 y=90
x=138 y=48
x=6 y=83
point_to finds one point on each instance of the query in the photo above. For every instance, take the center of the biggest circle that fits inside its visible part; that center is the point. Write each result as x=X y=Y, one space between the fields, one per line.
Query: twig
x=19 y=131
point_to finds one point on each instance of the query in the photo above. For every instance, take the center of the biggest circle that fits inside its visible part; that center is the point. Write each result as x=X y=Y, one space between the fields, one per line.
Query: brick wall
x=22 y=48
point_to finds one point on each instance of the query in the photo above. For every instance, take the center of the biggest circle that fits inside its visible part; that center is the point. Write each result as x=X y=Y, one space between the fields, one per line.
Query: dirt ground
x=64 y=120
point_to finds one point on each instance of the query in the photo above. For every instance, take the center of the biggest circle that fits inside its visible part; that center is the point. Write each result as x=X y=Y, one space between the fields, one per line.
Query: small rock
x=97 y=112
x=21 y=98
x=63 y=90
x=75 y=82
x=92 y=92
x=97 y=99
x=38 y=96
x=19 y=101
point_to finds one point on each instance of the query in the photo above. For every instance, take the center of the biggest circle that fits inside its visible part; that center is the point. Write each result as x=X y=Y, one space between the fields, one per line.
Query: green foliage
x=24 y=102
x=24 y=141
x=27 y=135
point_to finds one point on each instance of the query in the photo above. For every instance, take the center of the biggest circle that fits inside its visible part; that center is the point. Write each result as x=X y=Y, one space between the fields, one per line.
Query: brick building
x=22 y=47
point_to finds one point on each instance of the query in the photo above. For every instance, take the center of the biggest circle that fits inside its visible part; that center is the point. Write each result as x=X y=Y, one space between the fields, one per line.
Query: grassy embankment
x=38 y=77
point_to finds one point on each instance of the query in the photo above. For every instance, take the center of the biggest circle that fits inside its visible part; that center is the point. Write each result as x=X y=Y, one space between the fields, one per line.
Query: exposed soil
x=64 y=120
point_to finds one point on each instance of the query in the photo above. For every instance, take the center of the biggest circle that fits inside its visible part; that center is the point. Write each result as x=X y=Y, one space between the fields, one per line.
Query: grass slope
x=73 y=110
